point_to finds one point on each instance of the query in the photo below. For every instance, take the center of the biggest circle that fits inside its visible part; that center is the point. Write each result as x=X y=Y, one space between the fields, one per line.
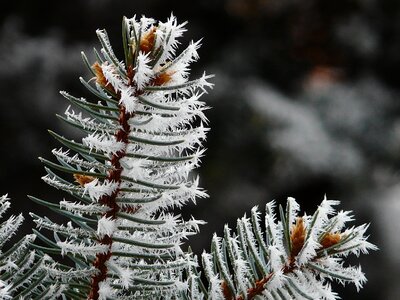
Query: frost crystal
x=106 y=226
x=106 y=291
x=143 y=71
x=4 y=291
x=96 y=189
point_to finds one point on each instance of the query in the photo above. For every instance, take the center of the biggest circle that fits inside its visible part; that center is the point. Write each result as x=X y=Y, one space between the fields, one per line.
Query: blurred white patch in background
x=386 y=207
x=299 y=130
x=32 y=71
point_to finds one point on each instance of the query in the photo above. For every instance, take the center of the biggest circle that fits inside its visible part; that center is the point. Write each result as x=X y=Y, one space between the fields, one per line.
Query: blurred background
x=306 y=103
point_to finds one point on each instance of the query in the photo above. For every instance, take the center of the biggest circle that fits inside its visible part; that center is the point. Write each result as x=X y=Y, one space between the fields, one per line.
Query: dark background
x=305 y=104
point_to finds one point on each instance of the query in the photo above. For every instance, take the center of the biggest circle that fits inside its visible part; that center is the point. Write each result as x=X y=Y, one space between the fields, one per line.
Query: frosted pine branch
x=23 y=272
x=143 y=127
x=297 y=257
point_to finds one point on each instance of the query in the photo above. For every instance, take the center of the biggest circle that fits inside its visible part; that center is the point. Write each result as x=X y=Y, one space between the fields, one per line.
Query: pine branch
x=23 y=273
x=293 y=258
x=144 y=134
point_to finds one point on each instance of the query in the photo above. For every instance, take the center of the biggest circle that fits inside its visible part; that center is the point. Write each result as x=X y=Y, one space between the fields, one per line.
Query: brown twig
x=109 y=200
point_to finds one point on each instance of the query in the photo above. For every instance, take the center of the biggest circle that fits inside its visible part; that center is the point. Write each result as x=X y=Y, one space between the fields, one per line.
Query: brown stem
x=109 y=201
x=259 y=285
x=257 y=289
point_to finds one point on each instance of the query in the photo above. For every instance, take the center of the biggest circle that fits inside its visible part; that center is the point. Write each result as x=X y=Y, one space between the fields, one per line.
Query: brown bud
x=162 y=78
x=297 y=236
x=148 y=40
x=100 y=78
x=83 y=179
x=226 y=291
x=330 y=239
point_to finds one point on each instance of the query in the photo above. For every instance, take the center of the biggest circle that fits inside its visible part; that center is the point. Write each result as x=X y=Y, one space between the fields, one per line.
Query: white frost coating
x=112 y=76
x=334 y=268
x=96 y=189
x=81 y=249
x=9 y=266
x=133 y=26
x=135 y=168
x=145 y=23
x=277 y=280
x=294 y=209
x=179 y=67
x=25 y=243
x=308 y=251
x=9 y=227
x=128 y=99
x=275 y=257
x=4 y=291
x=215 y=281
x=102 y=34
x=53 y=181
x=28 y=262
x=168 y=34
x=273 y=230
x=327 y=206
x=297 y=281
x=78 y=208
x=106 y=226
x=69 y=230
x=181 y=286
x=66 y=275
x=143 y=70
x=341 y=219
x=103 y=142
x=54 y=291
x=4 y=204
x=88 y=123
x=203 y=82
x=359 y=243
x=321 y=287
x=125 y=274
x=241 y=269
x=320 y=218
x=75 y=160
x=106 y=291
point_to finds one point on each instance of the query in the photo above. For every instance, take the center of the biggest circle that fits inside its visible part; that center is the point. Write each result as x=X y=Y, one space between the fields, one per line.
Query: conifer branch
x=294 y=258
x=144 y=135
x=23 y=271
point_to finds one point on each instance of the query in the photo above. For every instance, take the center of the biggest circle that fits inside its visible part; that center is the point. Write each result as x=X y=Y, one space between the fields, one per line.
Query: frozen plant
x=23 y=271
x=144 y=126
x=294 y=258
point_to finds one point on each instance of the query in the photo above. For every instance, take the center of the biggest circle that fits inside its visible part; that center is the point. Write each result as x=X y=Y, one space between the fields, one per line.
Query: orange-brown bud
x=148 y=40
x=297 y=236
x=226 y=291
x=83 y=179
x=100 y=78
x=162 y=78
x=330 y=239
